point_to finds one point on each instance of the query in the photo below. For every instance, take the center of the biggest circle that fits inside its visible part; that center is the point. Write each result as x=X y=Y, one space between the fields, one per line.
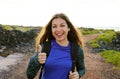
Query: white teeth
x=59 y=34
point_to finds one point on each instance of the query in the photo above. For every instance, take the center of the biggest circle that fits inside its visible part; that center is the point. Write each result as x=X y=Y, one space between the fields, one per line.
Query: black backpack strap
x=46 y=46
x=74 y=52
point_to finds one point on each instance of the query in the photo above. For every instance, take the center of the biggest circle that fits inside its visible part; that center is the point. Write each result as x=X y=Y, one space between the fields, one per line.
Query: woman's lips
x=59 y=35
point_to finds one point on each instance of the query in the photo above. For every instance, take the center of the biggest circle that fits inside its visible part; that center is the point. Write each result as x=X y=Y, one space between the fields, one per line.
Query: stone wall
x=115 y=45
x=17 y=40
x=116 y=42
x=15 y=37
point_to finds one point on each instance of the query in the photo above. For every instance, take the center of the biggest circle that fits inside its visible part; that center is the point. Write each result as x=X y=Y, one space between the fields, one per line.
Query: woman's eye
x=53 y=26
x=62 y=25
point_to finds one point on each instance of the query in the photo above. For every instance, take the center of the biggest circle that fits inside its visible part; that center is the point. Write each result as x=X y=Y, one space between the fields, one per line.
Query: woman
x=66 y=58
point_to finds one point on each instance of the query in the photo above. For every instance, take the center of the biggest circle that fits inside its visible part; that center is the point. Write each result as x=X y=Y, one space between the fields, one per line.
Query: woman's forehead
x=58 y=20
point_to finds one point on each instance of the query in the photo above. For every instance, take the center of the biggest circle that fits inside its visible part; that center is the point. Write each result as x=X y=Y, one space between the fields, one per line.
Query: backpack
x=46 y=46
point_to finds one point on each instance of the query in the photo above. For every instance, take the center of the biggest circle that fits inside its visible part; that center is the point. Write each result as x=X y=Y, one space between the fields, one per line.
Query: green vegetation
x=105 y=38
x=16 y=27
x=112 y=56
x=86 y=31
x=94 y=44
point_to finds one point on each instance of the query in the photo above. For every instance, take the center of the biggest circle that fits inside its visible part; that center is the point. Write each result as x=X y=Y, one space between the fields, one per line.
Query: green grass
x=21 y=28
x=112 y=56
x=86 y=31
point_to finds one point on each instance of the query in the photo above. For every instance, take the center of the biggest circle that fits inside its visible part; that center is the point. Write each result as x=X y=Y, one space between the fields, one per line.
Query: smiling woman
x=58 y=51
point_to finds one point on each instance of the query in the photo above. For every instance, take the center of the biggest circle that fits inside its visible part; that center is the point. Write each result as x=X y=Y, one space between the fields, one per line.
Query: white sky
x=93 y=13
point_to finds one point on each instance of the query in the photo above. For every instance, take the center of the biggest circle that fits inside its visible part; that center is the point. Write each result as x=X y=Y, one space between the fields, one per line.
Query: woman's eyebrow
x=63 y=23
x=53 y=24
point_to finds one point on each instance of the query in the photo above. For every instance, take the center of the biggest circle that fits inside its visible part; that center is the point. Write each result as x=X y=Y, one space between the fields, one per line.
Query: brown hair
x=46 y=32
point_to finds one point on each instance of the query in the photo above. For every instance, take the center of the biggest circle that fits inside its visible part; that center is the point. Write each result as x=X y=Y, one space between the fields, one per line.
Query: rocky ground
x=96 y=67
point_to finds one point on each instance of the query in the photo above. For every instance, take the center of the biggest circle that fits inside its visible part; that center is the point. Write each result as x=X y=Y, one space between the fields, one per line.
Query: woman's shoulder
x=78 y=47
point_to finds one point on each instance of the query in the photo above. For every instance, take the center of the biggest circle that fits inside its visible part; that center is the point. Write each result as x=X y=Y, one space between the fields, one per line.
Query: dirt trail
x=96 y=68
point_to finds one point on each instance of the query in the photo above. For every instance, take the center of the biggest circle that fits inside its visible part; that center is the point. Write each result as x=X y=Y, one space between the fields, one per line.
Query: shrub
x=94 y=44
x=106 y=38
x=111 y=56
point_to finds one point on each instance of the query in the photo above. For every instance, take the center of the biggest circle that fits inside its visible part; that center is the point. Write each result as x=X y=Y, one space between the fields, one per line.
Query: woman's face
x=60 y=29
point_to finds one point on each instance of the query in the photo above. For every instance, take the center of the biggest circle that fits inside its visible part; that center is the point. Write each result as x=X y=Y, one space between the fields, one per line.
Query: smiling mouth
x=59 y=35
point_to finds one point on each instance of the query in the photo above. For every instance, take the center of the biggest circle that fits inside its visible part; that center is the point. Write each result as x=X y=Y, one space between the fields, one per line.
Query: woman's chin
x=59 y=39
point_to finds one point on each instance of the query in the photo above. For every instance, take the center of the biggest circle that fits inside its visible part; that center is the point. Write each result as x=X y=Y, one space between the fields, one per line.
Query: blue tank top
x=58 y=63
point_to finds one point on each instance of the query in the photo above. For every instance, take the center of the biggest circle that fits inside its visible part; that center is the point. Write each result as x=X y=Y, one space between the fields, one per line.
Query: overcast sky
x=93 y=13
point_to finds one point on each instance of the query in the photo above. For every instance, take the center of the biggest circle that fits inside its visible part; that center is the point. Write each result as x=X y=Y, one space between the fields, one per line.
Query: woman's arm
x=80 y=62
x=33 y=67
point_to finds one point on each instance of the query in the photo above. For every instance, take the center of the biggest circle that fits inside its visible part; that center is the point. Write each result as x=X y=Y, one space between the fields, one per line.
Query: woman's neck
x=63 y=43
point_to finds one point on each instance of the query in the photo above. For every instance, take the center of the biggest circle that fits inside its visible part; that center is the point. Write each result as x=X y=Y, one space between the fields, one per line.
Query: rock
x=11 y=38
x=10 y=60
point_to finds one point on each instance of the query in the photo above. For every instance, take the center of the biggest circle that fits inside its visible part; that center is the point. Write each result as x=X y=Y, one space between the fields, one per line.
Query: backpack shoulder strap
x=46 y=46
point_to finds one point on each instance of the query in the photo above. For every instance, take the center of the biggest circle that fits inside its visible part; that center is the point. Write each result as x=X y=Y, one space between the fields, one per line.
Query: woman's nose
x=58 y=28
